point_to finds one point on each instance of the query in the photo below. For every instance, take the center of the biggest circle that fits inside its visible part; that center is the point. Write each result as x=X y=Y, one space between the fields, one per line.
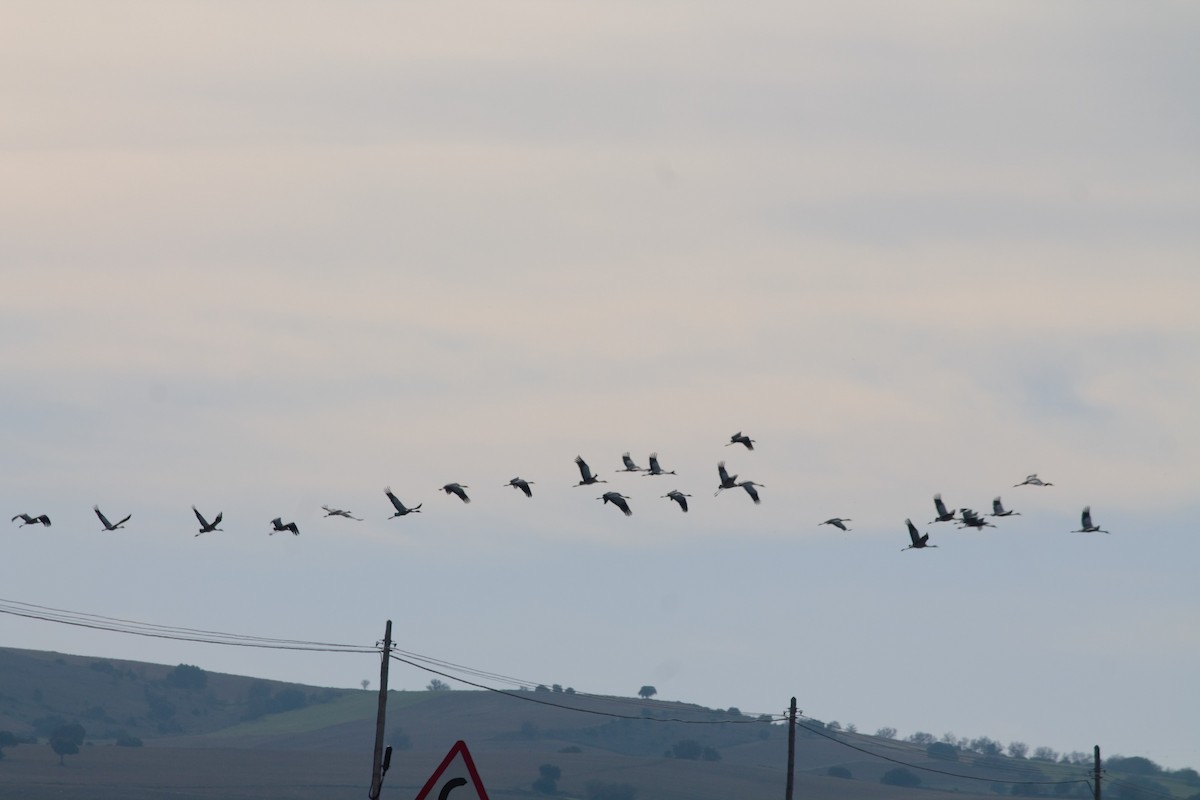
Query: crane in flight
x=1085 y=523
x=523 y=485
x=1032 y=480
x=28 y=520
x=618 y=500
x=629 y=465
x=970 y=519
x=919 y=541
x=727 y=481
x=205 y=525
x=457 y=489
x=655 y=469
x=277 y=526
x=750 y=490
x=108 y=526
x=738 y=438
x=942 y=514
x=337 y=512
x=998 y=510
x=585 y=473
x=401 y=509
x=678 y=497
x=837 y=522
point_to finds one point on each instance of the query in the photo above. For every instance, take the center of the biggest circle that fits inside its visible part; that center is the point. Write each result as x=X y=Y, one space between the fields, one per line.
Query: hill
x=208 y=735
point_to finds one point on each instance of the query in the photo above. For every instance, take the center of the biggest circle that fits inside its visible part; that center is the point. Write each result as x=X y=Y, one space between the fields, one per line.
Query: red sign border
x=459 y=747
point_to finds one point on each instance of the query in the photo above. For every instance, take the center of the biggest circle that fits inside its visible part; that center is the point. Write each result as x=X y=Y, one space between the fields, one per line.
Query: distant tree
x=851 y=727
x=1045 y=754
x=986 y=746
x=556 y=687
x=733 y=711
x=569 y=690
x=1017 y=749
x=436 y=685
x=8 y=739
x=547 y=781
x=66 y=740
x=838 y=772
x=942 y=751
x=922 y=738
x=1187 y=775
x=711 y=754
x=1134 y=765
x=45 y=726
x=949 y=738
x=541 y=687
x=688 y=749
x=188 y=677
x=599 y=790
x=647 y=692
x=901 y=777
x=365 y=682
x=833 y=726
x=886 y=733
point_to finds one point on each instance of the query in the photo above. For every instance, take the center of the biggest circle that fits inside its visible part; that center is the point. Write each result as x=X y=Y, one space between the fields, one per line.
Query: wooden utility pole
x=791 y=775
x=1096 y=776
x=377 y=765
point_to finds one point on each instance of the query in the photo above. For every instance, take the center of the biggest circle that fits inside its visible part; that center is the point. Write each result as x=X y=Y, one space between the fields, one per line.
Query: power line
x=150 y=630
x=844 y=743
x=526 y=697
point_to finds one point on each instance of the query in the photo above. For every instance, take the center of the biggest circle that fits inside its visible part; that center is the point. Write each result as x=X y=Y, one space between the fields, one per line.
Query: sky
x=260 y=257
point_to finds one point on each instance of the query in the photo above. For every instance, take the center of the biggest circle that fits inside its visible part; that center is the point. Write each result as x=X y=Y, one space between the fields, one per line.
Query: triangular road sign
x=456 y=772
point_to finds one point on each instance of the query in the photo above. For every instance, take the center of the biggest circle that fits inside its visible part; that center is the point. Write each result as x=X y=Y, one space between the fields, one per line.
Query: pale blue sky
x=260 y=257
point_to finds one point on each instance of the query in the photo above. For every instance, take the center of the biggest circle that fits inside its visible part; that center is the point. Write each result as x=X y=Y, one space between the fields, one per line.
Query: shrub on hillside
x=901 y=777
x=838 y=772
x=187 y=677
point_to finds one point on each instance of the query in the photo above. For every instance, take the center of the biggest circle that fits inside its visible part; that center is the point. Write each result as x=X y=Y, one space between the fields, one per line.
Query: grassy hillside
x=208 y=735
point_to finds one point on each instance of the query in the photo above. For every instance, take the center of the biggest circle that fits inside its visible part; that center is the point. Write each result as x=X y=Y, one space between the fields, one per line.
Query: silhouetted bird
x=837 y=522
x=585 y=473
x=457 y=489
x=278 y=527
x=738 y=438
x=205 y=525
x=1086 y=525
x=523 y=485
x=998 y=510
x=108 y=526
x=629 y=465
x=337 y=512
x=678 y=497
x=943 y=514
x=727 y=481
x=1032 y=480
x=401 y=509
x=28 y=520
x=918 y=541
x=970 y=519
x=750 y=490
x=655 y=469
x=618 y=500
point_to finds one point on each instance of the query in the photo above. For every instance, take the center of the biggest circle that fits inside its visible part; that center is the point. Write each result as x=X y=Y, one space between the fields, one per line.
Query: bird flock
x=964 y=517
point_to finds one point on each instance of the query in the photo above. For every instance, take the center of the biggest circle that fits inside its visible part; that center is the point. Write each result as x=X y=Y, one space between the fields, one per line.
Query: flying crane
x=618 y=500
x=919 y=541
x=585 y=473
x=205 y=525
x=401 y=509
x=458 y=489
x=678 y=497
x=277 y=526
x=42 y=520
x=108 y=526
